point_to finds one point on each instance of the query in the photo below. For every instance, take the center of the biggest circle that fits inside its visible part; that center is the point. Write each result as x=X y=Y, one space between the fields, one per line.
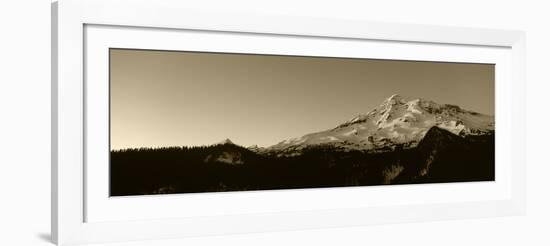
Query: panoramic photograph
x=190 y=122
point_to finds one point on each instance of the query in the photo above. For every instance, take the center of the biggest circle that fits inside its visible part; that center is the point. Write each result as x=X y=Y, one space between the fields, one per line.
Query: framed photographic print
x=172 y=120
x=170 y=125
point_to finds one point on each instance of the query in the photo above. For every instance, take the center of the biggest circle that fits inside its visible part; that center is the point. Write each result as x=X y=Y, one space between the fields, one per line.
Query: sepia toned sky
x=164 y=98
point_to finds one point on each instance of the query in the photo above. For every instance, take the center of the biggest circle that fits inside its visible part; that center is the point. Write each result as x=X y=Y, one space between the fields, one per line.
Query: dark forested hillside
x=439 y=157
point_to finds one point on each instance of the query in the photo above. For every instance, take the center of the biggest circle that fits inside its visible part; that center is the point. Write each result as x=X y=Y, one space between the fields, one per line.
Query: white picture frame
x=82 y=214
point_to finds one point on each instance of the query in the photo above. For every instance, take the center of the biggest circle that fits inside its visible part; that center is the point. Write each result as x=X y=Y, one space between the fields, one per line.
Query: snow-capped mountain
x=398 y=121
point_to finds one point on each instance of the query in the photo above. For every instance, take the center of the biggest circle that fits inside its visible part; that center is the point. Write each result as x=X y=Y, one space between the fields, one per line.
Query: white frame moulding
x=69 y=21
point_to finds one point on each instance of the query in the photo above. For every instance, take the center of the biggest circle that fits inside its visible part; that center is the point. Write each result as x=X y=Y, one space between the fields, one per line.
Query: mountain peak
x=226 y=141
x=394 y=97
x=400 y=98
